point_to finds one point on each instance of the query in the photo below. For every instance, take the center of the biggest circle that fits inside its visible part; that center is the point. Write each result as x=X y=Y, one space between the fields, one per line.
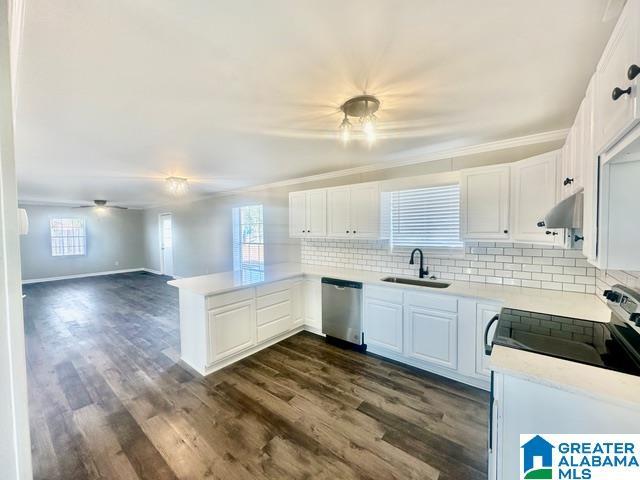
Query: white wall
x=115 y=241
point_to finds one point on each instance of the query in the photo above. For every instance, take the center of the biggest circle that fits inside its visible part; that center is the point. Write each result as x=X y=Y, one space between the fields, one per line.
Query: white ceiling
x=115 y=95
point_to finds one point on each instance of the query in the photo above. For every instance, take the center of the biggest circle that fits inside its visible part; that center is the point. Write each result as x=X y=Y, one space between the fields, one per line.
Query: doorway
x=166 y=244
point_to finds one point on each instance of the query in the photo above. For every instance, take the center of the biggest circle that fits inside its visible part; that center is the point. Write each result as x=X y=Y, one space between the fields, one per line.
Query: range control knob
x=612 y=296
x=635 y=317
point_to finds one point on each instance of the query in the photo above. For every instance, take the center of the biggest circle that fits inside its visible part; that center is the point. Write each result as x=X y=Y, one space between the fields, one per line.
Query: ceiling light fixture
x=177 y=185
x=363 y=107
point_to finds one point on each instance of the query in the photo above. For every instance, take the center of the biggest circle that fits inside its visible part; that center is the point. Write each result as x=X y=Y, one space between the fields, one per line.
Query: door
x=533 y=195
x=166 y=244
x=484 y=205
x=484 y=314
x=365 y=211
x=232 y=328
x=383 y=324
x=431 y=336
x=316 y=213
x=297 y=214
x=338 y=222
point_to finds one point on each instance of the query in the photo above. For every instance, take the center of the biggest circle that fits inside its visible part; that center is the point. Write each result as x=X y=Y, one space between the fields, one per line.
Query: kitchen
x=339 y=243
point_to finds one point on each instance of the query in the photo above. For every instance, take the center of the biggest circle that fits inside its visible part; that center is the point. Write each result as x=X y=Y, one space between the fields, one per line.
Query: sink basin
x=415 y=281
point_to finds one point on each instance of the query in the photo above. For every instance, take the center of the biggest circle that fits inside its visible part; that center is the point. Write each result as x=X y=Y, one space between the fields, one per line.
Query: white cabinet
x=383 y=319
x=232 y=328
x=353 y=211
x=485 y=312
x=533 y=194
x=616 y=117
x=431 y=329
x=308 y=213
x=297 y=304
x=484 y=203
x=312 y=289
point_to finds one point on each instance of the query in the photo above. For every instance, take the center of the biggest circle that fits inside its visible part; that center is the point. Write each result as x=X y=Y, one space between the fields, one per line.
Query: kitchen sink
x=419 y=283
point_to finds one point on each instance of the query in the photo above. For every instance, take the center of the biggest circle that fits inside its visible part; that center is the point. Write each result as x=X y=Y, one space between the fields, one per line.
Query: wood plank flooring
x=108 y=400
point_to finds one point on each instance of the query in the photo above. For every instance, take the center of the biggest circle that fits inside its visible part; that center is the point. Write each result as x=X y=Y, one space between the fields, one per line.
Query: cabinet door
x=297 y=214
x=484 y=206
x=365 y=211
x=590 y=175
x=533 y=194
x=431 y=336
x=338 y=202
x=297 y=305
x=313 y=304
x=484 y=314
x=231 y=329
x=615 y=117
x=317 y=213
x=383 y=324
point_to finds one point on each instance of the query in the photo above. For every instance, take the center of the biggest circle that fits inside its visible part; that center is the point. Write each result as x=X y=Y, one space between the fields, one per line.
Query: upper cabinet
x=308 y=213
x=353 y=211
x=350 y=211
x=484 y=203
x=617 y=106
x=533 y=194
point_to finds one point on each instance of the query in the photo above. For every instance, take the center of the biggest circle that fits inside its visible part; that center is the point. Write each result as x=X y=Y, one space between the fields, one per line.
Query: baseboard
x=150 y=270
x=93 y=274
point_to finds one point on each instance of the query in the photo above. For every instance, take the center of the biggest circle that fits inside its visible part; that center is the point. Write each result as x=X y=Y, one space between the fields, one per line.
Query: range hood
x=566 y=214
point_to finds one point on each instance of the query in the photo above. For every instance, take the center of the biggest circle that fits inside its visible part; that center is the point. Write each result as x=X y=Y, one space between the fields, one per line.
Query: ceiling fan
x=101 y=204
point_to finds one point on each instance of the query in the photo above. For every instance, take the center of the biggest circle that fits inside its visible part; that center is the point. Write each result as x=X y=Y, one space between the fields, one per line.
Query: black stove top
x=614 y=345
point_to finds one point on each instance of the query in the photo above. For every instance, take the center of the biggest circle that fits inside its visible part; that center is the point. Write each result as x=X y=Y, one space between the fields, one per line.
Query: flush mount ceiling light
x=177 y=185
x=363 y=107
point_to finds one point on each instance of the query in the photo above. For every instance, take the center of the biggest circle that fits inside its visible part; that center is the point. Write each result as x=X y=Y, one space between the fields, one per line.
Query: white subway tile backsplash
x=519 y=264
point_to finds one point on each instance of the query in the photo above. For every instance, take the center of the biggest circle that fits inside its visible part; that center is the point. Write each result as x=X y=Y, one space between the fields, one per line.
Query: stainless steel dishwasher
x=342 y=310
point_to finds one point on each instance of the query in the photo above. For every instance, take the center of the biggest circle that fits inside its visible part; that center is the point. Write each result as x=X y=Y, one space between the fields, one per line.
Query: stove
x=614 y=345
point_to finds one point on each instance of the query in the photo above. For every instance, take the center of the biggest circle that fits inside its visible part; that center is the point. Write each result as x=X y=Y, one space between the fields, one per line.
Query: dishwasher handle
x=487 y=346
x=341 y=284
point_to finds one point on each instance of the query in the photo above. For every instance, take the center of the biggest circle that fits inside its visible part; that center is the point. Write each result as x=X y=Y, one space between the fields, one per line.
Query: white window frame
x=455 y=249
x=73 y=237
x=238 y=261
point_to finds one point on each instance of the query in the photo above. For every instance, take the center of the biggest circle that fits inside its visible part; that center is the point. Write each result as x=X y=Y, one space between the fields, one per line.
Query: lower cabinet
x=383 y=319
x=439 y=333
x=431 y=336
x=297 y=304
x=312 y=291
x=232 y=328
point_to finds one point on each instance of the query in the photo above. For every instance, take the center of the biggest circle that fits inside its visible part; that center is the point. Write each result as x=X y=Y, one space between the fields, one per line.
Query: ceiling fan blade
x=84 y=206
x=115 y=206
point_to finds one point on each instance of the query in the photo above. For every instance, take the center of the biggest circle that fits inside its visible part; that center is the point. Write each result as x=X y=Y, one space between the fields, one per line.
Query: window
x=426 y=217
x=248 y=238
x=68 y=236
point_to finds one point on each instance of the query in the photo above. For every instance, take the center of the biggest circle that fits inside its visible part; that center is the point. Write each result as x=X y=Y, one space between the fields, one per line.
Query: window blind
x=68 y=237
x=426 y=217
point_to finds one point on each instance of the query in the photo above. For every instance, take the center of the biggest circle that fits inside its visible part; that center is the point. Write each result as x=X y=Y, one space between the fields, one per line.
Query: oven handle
x=487 y=346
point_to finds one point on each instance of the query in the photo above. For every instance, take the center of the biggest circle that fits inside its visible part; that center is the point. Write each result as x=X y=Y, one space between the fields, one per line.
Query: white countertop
x=544 y=301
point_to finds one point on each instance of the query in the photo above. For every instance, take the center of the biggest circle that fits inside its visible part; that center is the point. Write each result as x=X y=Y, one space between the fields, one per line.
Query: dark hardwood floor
x=109 y=400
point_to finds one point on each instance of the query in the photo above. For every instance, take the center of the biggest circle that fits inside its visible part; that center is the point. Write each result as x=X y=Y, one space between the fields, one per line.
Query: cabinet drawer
x=275 y=286
x=393 y=295
x=273 y=312
x=216 y=301
x=435 y=302
x=273 y=298
x=276 y=327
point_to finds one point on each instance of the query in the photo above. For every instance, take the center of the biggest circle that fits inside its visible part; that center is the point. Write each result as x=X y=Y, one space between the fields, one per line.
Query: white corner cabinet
x=443 y=334
x=350 y=211
x=506 y=202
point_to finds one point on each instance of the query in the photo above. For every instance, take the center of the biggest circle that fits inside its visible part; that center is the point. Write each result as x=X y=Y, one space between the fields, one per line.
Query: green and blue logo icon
x=537 y=459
